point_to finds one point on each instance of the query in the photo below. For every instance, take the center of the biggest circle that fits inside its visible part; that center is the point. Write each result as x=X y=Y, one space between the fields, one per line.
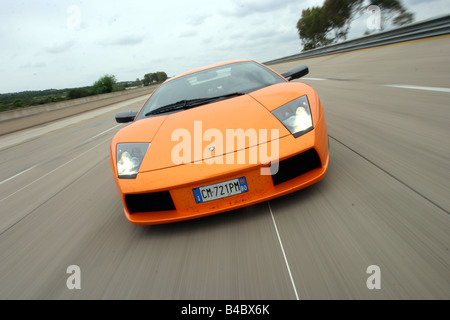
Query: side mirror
x=296 y=73
x=127 y=116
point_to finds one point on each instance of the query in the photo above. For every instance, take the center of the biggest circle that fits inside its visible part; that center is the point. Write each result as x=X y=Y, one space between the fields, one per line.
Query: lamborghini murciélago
x=216 y=139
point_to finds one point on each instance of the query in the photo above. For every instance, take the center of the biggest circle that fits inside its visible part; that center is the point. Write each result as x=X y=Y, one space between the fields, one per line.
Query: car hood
x=229 y=125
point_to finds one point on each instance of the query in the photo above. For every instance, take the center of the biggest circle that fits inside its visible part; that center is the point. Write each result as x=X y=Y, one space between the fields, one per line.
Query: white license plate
x=220 y=190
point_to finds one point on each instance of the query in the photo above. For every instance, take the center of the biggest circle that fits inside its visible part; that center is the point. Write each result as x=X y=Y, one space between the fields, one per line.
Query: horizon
x=86 y=41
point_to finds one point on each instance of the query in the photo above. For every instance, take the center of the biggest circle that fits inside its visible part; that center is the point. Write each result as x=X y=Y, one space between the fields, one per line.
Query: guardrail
x=415 y=31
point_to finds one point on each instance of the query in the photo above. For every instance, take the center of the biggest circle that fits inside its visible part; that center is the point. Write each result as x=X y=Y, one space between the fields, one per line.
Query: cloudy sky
x=71 y=43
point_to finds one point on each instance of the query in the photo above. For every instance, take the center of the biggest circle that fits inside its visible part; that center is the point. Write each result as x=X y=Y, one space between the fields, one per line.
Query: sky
x=57 y=44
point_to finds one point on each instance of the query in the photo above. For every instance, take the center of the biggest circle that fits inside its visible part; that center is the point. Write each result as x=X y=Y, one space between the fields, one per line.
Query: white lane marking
x=26 y=170
x=417 y=87
x=282 y=249
x=103 y=132
x=50 y=172
x=315 y=79
x=16 y=175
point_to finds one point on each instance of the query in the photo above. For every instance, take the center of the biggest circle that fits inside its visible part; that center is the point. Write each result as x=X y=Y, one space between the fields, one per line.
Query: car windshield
x=209 y=85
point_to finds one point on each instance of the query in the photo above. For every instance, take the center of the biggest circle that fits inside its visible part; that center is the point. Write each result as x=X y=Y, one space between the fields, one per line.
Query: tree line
x=330 y=23
x=106 y=84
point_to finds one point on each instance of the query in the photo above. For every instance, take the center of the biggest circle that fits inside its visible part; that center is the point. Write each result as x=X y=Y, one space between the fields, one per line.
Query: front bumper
x=171 y=189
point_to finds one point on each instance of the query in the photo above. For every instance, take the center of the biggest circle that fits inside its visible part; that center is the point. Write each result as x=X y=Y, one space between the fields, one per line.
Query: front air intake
x=295 y=166
x=149 y=202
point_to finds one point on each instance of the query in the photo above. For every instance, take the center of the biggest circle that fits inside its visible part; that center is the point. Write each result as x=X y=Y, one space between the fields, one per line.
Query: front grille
x=149 y=202
x=296 y=166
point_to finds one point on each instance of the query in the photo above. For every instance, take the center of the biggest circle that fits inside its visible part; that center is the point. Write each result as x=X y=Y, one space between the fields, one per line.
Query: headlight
x=129 y=159
x=295 y=116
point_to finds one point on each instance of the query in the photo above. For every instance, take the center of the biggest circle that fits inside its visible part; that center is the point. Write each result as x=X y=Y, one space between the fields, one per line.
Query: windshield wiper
x=170 y=107
x=186 y=104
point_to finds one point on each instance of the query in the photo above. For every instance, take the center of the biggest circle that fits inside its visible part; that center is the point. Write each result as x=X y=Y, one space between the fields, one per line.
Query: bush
x=104 y=85
x=77 y=93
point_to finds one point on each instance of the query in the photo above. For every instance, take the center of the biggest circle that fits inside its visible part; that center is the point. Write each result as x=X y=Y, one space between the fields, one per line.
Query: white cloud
x=243 y=8
x=131 y=38
x=34 y=65
x=197 y=20
x=57 y=48
x=126 y=40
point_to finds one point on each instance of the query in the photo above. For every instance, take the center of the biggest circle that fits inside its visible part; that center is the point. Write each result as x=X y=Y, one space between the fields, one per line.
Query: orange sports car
x=216 y=139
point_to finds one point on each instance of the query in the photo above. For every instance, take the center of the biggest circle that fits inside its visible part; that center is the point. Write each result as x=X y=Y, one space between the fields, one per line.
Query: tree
x=157 y=77
x=161 y=76
x=389 y=8
x=316 y=25
x=148 y=79
x=313 y=28
x=403 y=18
x=104 y=85
x=138 y=82
x=340 y=14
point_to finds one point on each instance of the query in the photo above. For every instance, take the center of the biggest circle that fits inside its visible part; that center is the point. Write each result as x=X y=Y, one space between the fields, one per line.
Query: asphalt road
x=384 y=202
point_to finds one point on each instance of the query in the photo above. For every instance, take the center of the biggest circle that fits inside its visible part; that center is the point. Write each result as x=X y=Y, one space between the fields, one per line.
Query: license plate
x=220 y=190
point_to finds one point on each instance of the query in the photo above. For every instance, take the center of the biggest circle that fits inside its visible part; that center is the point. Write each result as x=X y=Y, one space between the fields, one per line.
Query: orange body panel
x=159 y=173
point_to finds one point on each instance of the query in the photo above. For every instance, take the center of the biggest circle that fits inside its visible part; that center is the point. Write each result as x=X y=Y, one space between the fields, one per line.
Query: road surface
x=384 y=202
